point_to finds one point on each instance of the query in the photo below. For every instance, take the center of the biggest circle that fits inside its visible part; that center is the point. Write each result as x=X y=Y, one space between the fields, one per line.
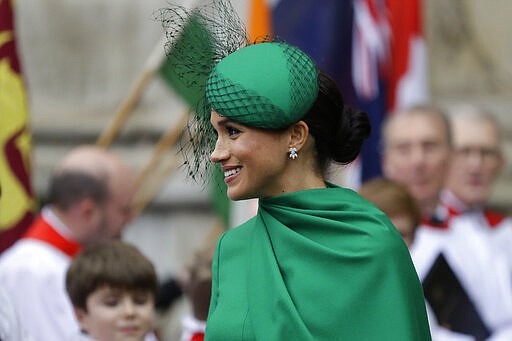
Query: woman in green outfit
x=317 y=262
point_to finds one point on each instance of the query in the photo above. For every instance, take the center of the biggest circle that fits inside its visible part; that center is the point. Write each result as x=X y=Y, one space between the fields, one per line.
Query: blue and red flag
x=373 y=48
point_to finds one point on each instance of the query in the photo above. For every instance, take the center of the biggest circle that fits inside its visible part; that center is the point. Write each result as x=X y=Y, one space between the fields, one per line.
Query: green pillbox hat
x=268 y=85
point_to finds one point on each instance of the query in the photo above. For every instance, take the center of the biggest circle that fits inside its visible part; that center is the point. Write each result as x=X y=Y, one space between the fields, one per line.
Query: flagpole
x=170 y=138
x=126 y=107
x=141 y=201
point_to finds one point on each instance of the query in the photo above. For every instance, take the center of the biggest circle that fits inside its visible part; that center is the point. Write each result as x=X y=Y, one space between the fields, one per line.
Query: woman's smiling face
x=253 y=160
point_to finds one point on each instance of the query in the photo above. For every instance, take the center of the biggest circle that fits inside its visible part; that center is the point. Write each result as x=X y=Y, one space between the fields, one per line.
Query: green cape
x=320 y=264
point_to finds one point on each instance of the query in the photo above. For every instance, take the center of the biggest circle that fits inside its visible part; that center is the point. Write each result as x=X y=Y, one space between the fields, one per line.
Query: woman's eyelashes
x=232 y=131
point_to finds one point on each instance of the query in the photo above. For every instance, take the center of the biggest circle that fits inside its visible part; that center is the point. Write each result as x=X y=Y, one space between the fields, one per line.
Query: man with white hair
x=477 y=162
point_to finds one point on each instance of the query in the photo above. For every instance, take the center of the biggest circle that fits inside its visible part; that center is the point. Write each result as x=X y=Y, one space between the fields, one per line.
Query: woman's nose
x=219 y=152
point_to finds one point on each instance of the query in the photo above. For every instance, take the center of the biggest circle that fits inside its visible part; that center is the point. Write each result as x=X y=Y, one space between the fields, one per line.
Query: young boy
x=395 y=200
x=112 y=286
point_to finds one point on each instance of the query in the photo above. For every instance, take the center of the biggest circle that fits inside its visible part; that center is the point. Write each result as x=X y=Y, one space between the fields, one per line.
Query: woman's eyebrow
x=223 y=122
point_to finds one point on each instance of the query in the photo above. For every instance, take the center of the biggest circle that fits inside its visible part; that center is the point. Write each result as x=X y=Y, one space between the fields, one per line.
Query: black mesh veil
x=197 y=39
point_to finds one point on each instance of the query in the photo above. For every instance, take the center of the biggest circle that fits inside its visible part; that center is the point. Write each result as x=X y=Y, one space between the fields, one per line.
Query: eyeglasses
x=485 y=153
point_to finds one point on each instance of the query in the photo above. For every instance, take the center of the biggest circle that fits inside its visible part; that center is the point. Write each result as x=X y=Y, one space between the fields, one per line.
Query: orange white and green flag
x=260 y=19
x=17 y=204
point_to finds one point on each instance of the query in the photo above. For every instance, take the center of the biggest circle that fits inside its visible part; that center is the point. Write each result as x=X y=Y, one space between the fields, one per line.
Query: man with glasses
x=476 y=163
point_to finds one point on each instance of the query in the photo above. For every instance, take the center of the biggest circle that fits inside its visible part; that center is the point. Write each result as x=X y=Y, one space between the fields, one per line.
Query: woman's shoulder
x=236 y=237
x=379 y=234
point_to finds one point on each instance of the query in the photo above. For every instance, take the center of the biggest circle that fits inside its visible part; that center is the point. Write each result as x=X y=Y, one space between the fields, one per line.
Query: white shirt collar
x=56 y=223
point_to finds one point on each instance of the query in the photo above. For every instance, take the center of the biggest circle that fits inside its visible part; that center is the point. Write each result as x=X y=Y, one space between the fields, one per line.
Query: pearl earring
x=293 y=153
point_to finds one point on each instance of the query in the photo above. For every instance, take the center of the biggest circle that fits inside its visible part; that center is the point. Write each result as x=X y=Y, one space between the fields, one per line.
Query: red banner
x=17 y=205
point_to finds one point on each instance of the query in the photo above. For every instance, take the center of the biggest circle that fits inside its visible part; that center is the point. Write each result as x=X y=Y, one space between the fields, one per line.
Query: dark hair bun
x=353 y=129
x=339 y=131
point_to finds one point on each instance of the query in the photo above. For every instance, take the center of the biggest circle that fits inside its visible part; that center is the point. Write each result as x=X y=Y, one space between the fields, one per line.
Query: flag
x=409 y=79
x=374 y=50
x=260 y=20
x=389 y=66
x=193 y=42
x=17 y=204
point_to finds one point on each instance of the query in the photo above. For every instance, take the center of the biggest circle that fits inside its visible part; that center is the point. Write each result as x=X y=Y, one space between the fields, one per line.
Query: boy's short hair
x=111 y=263
x=392 y=198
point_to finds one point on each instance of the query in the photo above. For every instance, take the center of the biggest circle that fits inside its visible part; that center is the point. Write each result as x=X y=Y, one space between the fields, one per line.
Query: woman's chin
x=236 y=195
